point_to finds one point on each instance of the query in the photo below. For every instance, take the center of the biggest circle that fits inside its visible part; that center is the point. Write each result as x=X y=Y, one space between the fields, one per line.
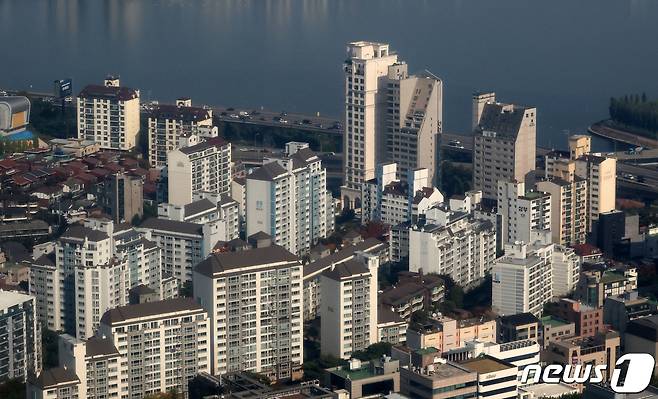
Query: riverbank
x=605 y=130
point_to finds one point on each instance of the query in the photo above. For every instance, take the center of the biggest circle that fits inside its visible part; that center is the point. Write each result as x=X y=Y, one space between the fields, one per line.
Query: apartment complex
x=568 y=209
x=366 y=94
x=183 y=244
x=168 y=123
x=414 y=108
x=504 y=144
x=523 y=278
x=109 y=115
x=20 y=337
x=348 y=307
x=287 y=199
x=453 y=243
x=522 y=211
x=254 y=302
x=202 y=167
x=216 y=209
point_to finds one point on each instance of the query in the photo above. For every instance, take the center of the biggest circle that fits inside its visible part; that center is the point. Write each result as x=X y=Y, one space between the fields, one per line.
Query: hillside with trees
x=636 y=111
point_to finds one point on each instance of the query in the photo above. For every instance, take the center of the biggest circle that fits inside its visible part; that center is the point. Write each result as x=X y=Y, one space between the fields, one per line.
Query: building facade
x=522 y=212
x=109 y=115
x=20 y=335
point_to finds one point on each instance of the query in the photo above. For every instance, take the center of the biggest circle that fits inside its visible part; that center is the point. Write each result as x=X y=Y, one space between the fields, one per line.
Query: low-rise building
x=446 y=333
x=518 y=327
x=391 y=327
x=497 y=379
x=619 y=310
x=554 y=329
x=413 y=294
x=642 y=337
x=519 y=353
x=431 y=377
x=596 y=285
x=587 y=319
x=366 y=379
x=599 y=349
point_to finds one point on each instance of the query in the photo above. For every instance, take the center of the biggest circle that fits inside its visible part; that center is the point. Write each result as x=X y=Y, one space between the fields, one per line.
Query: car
x=3 y=93
x=306 y=122
x=234 y=116
x=68 y=99
x=243 y=113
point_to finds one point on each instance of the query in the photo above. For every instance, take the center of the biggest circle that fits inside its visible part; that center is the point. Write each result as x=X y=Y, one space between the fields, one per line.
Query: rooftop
x=55 y=376
x=225 y=261
x=158 y=309
x=210 y=143
x=80 y=232
x=553 y=321
x=268 y=172
x=519 y=319
x=487 y=364
x=503 y=119
x=346 y=270
x=172 y=226
x=170 y=111
x=12 y=298
x=108 y=92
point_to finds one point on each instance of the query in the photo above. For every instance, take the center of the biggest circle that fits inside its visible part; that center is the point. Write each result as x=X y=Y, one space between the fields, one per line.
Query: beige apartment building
x=600 y=349
x=167 y=123
x=568 y=209
x=413 y=126
x=109 y=115
x=366 y=71
x=599 y=171
x=504 y=144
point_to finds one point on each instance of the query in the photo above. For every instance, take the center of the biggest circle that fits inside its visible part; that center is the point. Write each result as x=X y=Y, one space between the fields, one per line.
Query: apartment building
x=44 y=283
x=642 y=337
x=183 y=244
x=366 y=96
x=314 y=270
x=599 y=171
x=414 y=109
x=167 y=123
x=109 y=115
x=55 y=383
x=521 y=212
x=413 y=292
x=568 y=209
x=595 y=286
x=122 y=196
x=453 y=243
x=391 y=327
x=254 y=302
x=218 y=209
x=445 y=333
x=348 y=308
x=504 y=144
x=566 y=270
x=202 y=167
x=287 y=199
x=523 y=278
x=20 y=335
x=164 y=343
x=392 y=201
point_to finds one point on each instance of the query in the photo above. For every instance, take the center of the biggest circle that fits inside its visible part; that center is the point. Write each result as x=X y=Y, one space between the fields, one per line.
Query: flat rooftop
x=553 y=321
x=485 y=365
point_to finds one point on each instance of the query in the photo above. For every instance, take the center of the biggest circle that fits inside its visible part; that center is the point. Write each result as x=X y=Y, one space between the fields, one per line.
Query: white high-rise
x=522 y=211
x=287 y=199
x=366 y=80
x=349 y=306
x=203 y=167
x=109 y=115
x=20 y=336
x=254 y=302
x=523 y=278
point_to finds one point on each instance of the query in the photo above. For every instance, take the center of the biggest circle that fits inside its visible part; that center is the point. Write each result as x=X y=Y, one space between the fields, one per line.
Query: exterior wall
x=164 y=134
x=365 y=111
x=521 y=213
x=569 y=210
x=96 y=122
x=180 y=252
x=566 y=271
x=20 y=334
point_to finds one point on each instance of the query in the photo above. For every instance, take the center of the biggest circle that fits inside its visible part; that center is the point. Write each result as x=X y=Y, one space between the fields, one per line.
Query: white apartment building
x=523 y=277
x=164 y=344
x=349 y=306
x=287 y=199
x=203 y=167
x=520 y=353
x=504 y=144
x=254 y=302
x=20 y=336
x=167 y=123
x=182 y=244
x=566 y=270
x=568 y=209
x=139 y=350
x=521 y=212
x=414 y=123
x=44 y=284
x=391 y=201
x=109 y=115
x=366 y=84
x=314 y=270
x=219 y=209
x=453 y=243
